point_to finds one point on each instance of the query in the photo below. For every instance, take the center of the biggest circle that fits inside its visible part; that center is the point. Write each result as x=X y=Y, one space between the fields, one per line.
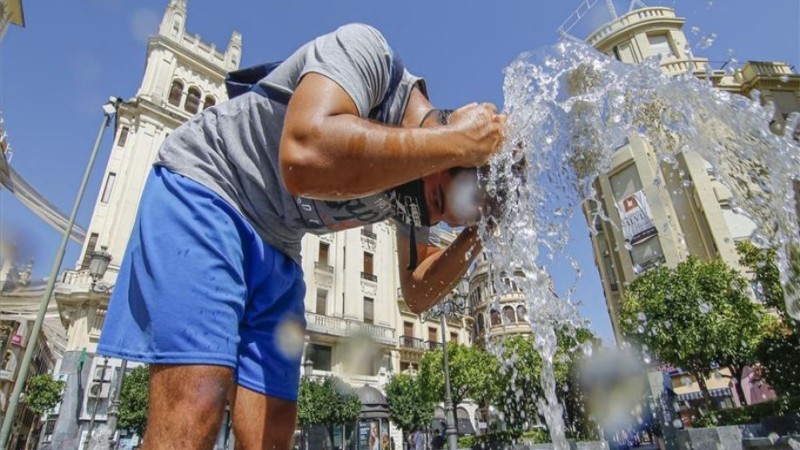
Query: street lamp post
x=109 y=111
x=451 y=307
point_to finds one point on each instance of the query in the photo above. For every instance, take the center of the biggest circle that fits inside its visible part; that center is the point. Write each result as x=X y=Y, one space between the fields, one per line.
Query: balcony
x=369 y=277
x=412 y=343
x=368 y=233
x=636 y=18
x=336 y=326
x=433 y=345
x=6 y=375
x=323 y=266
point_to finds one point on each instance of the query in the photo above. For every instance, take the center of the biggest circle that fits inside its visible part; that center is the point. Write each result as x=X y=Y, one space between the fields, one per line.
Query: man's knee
x=201 y=390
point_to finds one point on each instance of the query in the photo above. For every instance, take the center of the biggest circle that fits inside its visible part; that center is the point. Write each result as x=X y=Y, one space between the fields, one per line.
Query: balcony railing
x=323 y=267
x=433 y=345
x=369 y=276
x=411 y=342
x=336 y=326
x=369 y=234
x=5 y=375
x=77 y=278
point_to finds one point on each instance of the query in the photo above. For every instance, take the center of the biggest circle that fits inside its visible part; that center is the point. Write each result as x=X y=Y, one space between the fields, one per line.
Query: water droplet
x=773 y=437
x=784 y=78
x=677 y=423
x=705 y=308
x=687 y=183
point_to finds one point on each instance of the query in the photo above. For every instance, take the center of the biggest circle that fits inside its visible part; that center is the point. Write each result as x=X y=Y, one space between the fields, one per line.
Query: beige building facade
x=11 y=13
x=690 y=209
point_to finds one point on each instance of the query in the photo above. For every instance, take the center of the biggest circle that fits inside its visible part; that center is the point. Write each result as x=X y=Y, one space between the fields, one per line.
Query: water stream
x=570 y=108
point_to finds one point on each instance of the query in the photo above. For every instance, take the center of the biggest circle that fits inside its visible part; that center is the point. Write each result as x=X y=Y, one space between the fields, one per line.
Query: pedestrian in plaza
x=210 y=290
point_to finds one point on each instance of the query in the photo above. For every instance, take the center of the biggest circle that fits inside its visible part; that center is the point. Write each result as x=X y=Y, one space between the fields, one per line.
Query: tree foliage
x=43 y=394
x=473 y=374
x=133 y=399
x=326 y=402
x=779 y=352
x=695 y=316
x=409 y=407
x=520 y=378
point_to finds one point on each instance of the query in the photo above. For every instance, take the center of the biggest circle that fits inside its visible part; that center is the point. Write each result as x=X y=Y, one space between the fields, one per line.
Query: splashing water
x=569 y=109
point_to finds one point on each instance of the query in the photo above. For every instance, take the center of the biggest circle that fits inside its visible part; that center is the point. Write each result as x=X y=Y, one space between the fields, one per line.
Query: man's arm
x=439 y=269
x=328 y=152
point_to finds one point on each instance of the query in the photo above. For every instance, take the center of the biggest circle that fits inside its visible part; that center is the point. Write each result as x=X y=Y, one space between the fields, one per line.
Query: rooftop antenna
x=583 y=9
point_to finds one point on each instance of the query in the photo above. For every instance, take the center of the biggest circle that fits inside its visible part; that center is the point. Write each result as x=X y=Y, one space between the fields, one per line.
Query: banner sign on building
x=637 y=221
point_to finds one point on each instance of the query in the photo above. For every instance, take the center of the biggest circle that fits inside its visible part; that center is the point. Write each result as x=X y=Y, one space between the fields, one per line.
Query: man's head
x=452 y=195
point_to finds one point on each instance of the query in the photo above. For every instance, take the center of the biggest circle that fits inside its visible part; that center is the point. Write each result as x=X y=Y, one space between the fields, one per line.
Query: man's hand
x=481 y=132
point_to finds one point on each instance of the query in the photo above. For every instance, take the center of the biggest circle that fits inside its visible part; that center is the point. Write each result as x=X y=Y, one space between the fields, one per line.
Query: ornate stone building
x=182 y=76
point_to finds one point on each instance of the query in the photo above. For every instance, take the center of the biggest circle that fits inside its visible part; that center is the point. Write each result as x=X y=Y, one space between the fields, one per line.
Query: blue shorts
x=197 y=285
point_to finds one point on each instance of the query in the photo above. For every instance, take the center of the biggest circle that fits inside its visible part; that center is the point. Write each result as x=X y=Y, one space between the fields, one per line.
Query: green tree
x=473 y=374
x=519 y=378
x=409 y=407
x=328 y=402
x=695 y=316
x=43 y=394
x=777 y=353
x=133 y=400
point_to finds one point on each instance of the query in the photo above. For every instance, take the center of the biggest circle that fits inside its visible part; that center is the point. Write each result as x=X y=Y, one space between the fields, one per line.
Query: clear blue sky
x=57 y=71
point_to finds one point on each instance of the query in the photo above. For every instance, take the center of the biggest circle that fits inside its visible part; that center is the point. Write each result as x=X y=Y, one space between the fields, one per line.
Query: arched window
x=522 y=313
x=495 y=317
x=480 y=323
x=192 y=100
x=508 y=314
x=175 y=93
x=209 y=102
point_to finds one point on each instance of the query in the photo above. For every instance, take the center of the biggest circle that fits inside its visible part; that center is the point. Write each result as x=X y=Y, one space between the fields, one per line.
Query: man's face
x=453 y=196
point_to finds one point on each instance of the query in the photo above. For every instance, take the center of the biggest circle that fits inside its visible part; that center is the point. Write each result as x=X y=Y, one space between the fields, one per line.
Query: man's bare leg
x=186 y=406
x=262 y=422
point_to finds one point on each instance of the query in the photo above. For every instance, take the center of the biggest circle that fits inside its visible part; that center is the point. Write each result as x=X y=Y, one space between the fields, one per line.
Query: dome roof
x=370 y=396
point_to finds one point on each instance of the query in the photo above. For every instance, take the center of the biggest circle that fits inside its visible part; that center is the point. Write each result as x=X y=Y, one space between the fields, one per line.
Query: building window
x=108 y=187
x=431 y=334
x=175 y=93
x=495 y=317
x=369 y=310
x=123 y=137
x=616 y=53
x=508 y=314
x=209 y=102
x=320 y=356
x=408 y=329
x=368 y=273
x=322 y=301
x=660 y=45
x=522 y=314
x=368 y=258
x=454 y=337
x=404 y=366
x=480 y=322
x=324 y=247
x=90 y=248
x=192 y=100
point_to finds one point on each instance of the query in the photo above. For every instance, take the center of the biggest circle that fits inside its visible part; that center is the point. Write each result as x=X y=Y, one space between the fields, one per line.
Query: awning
x=698 y=395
